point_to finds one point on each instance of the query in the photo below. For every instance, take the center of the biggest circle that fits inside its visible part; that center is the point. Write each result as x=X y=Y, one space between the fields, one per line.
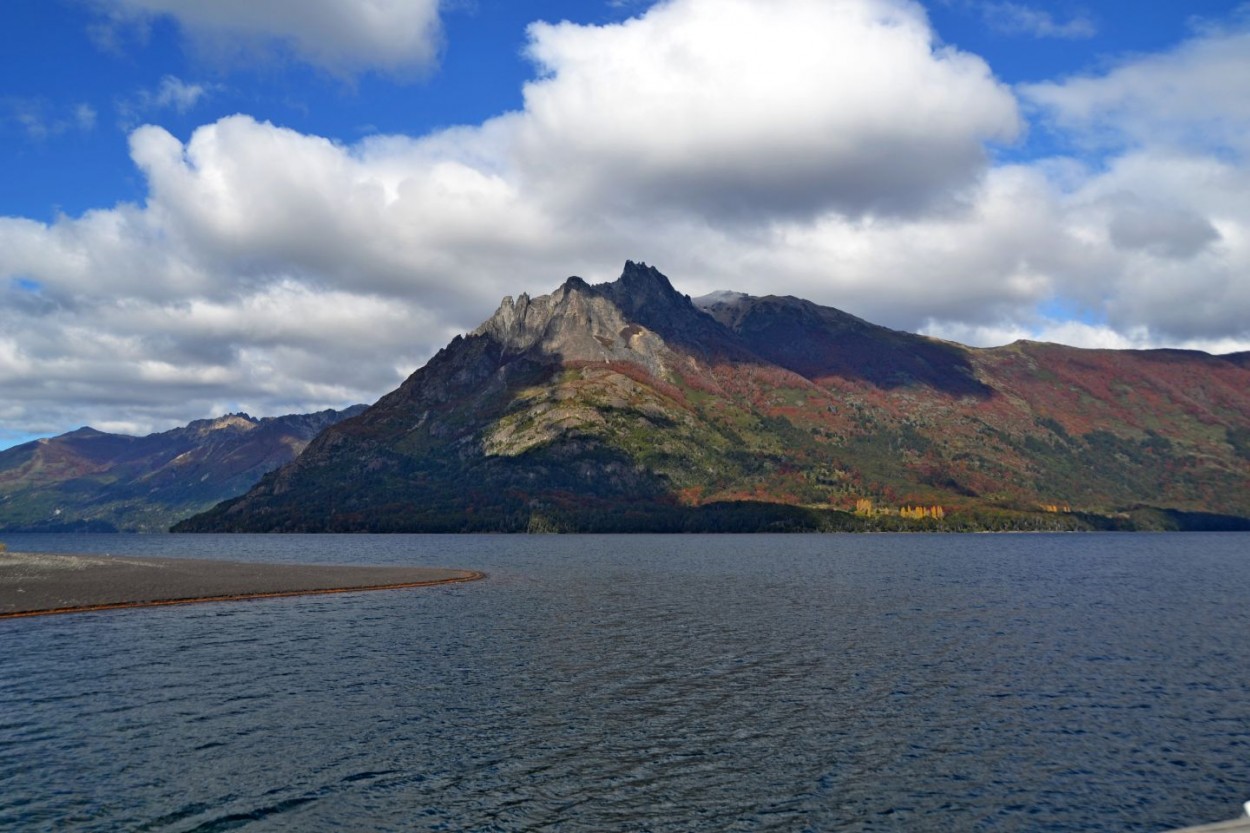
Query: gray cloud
x=343 y=36
x=1161 y=230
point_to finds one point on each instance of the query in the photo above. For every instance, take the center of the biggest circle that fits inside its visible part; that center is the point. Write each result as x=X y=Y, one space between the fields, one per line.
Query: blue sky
x=278 y=206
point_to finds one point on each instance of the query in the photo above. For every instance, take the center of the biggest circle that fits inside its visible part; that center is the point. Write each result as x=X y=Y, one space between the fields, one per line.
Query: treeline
x=537 y=517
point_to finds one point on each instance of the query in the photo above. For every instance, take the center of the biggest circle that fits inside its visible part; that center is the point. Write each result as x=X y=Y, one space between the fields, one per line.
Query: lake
x=1070 y=682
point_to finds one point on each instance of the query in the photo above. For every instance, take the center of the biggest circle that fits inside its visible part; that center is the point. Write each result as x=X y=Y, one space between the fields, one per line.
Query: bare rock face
x=576 y=323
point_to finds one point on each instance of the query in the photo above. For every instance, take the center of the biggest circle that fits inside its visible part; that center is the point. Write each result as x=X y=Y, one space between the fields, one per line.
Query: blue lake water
x=650 y=683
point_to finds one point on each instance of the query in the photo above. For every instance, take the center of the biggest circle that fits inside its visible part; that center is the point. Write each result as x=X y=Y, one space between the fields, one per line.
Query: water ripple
x=824 y=683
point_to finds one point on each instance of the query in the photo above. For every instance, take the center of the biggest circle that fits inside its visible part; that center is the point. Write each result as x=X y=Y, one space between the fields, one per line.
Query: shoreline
x=46 y=584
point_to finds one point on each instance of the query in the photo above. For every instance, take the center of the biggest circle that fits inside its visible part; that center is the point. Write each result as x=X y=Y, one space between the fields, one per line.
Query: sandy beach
x=33 y=584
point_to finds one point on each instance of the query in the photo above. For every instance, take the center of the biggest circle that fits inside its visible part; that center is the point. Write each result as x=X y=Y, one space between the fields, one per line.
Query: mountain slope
x=628 y=406
x=90 y=480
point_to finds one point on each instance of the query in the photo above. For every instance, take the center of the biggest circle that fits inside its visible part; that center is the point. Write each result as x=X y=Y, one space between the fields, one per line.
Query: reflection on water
x=857 y=683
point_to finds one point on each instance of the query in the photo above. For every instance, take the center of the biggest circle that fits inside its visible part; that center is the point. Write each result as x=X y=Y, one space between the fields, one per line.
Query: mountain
x=628 y=406
x=88 y=480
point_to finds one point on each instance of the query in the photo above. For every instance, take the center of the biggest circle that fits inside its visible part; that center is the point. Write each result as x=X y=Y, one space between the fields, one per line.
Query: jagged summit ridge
x=641 y=285
x=579 y=322
x=236 y=422
x=648 y=298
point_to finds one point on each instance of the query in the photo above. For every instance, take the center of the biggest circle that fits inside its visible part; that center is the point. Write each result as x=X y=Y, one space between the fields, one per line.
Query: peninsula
x=34 y=584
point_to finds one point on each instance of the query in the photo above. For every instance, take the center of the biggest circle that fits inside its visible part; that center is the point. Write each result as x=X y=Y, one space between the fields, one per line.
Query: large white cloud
x=739 y=107
x=277 y=271
x=343 y=36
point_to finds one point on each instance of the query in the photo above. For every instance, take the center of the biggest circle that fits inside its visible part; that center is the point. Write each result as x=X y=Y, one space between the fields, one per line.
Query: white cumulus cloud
x=737 y=107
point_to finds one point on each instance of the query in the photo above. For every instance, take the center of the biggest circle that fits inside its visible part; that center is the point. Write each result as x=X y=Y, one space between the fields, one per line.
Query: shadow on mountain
x=1151 y=518
x=1239 y=359
x=821 y=342
x=75 y=526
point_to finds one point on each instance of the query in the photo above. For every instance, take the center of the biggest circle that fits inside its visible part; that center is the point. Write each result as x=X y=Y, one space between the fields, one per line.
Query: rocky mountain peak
x=631 y=319
x=83 y=433
x=641 y=279
x=583 y=323
x=647 y=298
x=239 y=422
x=643 y=292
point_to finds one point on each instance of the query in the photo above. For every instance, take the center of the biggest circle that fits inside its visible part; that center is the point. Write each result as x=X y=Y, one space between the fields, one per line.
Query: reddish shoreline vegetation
x=36 y=584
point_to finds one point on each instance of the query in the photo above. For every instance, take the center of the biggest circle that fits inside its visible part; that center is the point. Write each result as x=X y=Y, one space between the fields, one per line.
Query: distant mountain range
x=627 y=406
x=91 y=481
